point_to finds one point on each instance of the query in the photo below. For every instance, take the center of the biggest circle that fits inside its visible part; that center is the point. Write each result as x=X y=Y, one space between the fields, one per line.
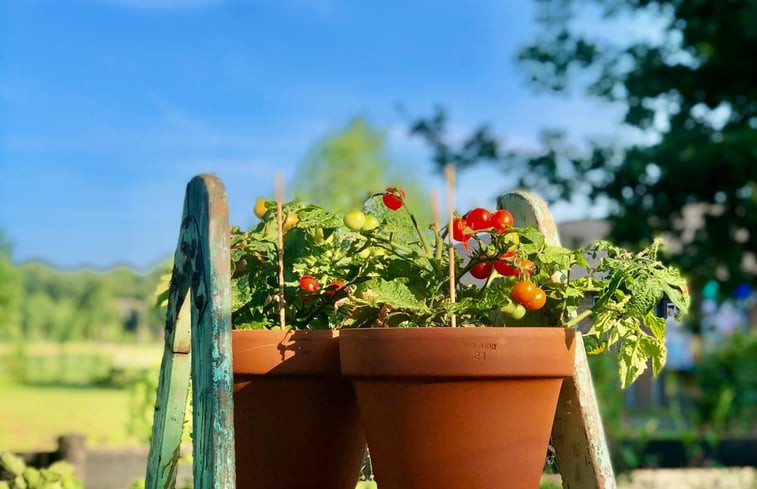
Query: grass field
x=32 y=417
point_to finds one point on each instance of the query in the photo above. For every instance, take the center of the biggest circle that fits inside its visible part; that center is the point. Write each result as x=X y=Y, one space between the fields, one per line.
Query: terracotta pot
x=296 y=421
x=457 y=408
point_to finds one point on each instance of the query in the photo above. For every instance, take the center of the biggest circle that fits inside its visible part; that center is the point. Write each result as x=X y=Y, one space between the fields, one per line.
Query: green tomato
x=371 y=223
x=364 y=253
x=354 y=220
x=519 y=312
x=508 y=308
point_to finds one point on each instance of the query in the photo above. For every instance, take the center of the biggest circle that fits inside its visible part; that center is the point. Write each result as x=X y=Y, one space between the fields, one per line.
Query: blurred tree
x=86 y=305
x=345 y=167
x=9 y=293
x=690 y=96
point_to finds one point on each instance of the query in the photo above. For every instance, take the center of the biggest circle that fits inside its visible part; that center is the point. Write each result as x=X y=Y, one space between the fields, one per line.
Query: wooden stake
x=279 y=192
x=449 y=176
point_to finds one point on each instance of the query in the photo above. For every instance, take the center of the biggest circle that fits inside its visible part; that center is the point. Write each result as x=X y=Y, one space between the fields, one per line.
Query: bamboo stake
x=449 y=176
x=279 y=193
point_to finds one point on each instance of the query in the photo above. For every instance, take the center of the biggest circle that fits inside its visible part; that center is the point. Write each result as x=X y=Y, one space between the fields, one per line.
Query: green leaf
x=312 y=216
x=32 y=476
x=655 y=349
x=395 y=294
x=645 y=294
x=19 y=482
x=655 y=324
x=632 y=361
x=11 y=463
x=64 y=469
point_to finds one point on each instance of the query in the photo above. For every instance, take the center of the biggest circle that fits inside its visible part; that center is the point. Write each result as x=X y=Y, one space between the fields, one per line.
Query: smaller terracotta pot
x=296 y=421
x=457 y=408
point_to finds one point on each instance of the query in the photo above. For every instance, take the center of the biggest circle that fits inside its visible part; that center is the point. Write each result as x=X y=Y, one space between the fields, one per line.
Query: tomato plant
x=385 y=269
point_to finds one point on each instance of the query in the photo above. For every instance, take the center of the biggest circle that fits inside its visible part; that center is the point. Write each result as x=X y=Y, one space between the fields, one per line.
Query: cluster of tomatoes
x=335 y=289
x=525 y=293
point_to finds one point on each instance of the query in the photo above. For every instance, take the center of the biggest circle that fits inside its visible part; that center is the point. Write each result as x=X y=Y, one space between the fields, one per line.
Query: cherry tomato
x=502 y=220
x=527 y=266
x=354 y=220
x=524 y=291
x=503 y=265
x=519 y=311
x=458 y=230
x=308 y=283
x=528 y=294
x=370 y=224
x=508 y=308
x=481 y=270
x=290 y=221
x=240 y=268
x=336 y=287
x=479 y=218
x=537 y=301
x=393 y=198
x=260 y=208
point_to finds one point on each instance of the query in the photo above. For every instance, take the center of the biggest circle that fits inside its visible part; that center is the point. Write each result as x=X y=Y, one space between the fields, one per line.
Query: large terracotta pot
x=457 y=408
x=296 y=421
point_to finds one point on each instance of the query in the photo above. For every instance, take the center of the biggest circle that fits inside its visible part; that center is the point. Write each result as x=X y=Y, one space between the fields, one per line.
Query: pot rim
x=285 y=352
x=489 y=352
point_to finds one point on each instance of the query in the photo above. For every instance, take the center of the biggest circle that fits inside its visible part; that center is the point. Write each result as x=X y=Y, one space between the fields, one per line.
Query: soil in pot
x=457 y=408
x=296 y=422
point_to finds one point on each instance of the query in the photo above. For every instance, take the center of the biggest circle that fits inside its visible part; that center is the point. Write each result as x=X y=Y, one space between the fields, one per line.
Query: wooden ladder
x=198 y=345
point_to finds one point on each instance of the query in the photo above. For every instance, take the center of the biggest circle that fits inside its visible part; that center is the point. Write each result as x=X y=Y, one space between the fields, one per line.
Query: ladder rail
x=197 y=346
x=581 y=450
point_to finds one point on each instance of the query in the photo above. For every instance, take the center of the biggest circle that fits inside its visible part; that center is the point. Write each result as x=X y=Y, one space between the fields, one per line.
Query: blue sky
x=109 y=107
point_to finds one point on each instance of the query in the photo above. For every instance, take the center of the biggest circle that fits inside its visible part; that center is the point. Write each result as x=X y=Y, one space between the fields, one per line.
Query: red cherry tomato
x=393 y=198
x=503 y=265
x=479 y=218
x=481 y=270
x=336 y=288
x=458 y=230
x=308 y=283
x=502 y=220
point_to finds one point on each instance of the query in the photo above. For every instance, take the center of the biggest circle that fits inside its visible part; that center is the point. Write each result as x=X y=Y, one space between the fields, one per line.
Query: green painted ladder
x=198 y=345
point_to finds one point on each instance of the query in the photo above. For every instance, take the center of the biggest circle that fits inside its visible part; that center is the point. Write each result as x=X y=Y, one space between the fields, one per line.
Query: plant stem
x=578 y=318
x=392 y=244
x=426 y=249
